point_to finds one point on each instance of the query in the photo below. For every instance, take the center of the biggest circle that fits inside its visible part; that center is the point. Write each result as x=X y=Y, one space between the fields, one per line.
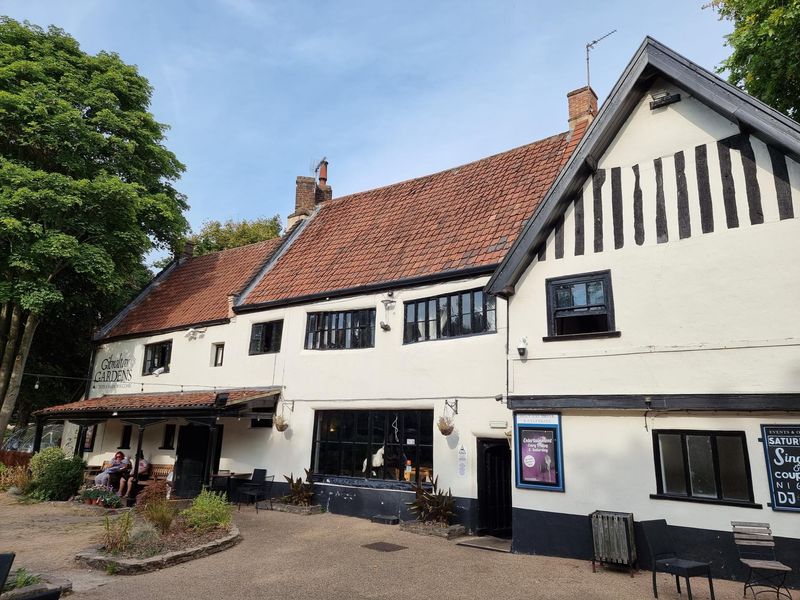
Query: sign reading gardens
x=113 y=370
x=782 y=449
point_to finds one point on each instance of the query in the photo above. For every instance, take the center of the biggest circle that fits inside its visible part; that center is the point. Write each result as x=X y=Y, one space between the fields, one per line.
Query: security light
x=522 y=347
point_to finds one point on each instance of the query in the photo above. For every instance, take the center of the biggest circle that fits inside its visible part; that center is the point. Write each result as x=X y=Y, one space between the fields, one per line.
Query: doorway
x=191 y=456
x=494 y=487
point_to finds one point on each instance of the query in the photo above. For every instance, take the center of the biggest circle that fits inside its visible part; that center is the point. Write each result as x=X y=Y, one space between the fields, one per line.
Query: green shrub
x=117 y=533
x=21 y=579
x=2 y=469
x=160 y=513
x=301 y=493
x=434 y=505
x=57 y=479
x=145 y=541
x=42 y=459
x=208 y=510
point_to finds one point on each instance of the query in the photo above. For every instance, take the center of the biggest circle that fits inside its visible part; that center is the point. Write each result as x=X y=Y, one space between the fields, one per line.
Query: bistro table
x=228 y=482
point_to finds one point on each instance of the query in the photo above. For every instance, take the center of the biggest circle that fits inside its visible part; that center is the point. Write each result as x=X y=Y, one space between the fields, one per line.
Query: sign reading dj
x=782 y=450
x=539 y=461
x=114 y=370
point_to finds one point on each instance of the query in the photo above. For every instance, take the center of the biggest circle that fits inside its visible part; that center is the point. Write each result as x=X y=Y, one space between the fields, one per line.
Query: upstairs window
x=125 y=440
x=449 y=315
x=580 y=304
x=265 y=338
x=218 y=353
x=157 y=356
x=341 y=330
x=168 y=443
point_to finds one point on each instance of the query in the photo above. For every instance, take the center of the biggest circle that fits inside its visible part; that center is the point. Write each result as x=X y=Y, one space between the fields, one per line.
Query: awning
x=219 y=403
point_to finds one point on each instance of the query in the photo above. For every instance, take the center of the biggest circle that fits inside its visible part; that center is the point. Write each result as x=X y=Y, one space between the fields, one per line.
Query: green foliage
x=42 y=459
x=215 y=236
x=160 y=513
x=766 y=55
x=301 y=493
x=15 y=477
x=112 y=568
x=434 y=505
x=155 y=492
x=22 y=578
x=58 y=479
x=208 y=511
x=117 y=533
x=108 y=498
x=145 y=541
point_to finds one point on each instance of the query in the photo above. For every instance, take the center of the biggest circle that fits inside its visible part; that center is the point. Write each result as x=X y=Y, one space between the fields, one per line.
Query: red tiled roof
x=196 y=291
x=464 y=217
x=158 y=400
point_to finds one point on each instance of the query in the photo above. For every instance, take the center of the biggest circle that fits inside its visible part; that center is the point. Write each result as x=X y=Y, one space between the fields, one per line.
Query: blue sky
x=256 y=92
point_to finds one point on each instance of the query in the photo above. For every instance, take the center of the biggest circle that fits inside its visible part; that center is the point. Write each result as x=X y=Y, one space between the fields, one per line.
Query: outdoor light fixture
x=36 y=385
x=522 y=347
x=663 y=98
x=388 y=303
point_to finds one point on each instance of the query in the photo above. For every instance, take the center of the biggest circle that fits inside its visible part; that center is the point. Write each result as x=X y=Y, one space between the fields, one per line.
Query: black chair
x=258 y=492
x=221 y=483
x=6 y=560
x=665 y=560
x=757 y=552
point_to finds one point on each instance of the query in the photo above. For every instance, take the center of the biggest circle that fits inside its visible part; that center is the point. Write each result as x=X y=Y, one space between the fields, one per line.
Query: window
x=394 y=445
x=169 y=437
x=157 y=356
x=265 y=338
x=125 y=441
x=702 y=465
x=450 y=315
x=89 y=432
x=265 y=421
x=218 y=354
x=581 y=304
x=341 y=330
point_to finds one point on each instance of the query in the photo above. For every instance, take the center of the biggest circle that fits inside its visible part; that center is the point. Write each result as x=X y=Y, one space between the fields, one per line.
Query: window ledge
x=582 y=336
x=739 y=503
x=361 y=482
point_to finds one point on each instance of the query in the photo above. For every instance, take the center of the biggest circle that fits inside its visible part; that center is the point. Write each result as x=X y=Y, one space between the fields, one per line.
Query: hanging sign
x=462 y=461
x=113 y=370
x=782 y=451
x=539 y=462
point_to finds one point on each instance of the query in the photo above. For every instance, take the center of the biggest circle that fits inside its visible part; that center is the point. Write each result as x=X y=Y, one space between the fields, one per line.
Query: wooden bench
x=757 y=552
x=157 y=472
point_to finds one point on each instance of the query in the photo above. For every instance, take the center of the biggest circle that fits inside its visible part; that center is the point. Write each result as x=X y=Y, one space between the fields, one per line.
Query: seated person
x=126 y=481
x=118 y=465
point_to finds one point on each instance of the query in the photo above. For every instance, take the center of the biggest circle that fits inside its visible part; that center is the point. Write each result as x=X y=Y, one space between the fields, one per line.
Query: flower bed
x=314 y=509
x=42 y=583
x=447 y=532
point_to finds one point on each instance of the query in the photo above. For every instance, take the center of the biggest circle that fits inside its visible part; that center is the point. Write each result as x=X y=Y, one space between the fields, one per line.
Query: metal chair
x=6 y=560
x=757 y=552
x=666 y=561
x=257 y=491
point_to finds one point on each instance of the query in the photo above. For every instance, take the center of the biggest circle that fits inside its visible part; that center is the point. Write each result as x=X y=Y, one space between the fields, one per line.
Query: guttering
x=370 y=288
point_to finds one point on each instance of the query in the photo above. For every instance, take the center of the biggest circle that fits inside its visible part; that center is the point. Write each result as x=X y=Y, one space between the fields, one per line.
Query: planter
x=447 y=532
x=49 y=583
x=96 y=559
x=314 y=509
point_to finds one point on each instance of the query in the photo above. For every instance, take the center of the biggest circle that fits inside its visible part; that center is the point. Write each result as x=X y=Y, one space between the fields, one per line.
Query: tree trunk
x=10 y=399
x=9 y=350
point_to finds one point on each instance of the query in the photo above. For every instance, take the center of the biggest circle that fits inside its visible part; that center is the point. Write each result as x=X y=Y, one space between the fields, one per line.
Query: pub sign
x=782 y=451
x=539 y=460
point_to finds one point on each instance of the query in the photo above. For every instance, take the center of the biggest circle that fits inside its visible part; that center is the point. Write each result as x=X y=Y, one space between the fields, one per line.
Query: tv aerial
x=591 y=45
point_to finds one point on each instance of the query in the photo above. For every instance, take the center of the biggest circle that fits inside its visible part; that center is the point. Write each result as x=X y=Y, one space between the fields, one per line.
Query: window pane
x=362 y=426
x=331 y=432
x=563 y=297
x=491 y=325
x=426 y=427
x=426 y=464
x=346 y=429
x=349 y=456
x=701 y=466
x=394 y=462
x=732 y=468
x=596 y=294
x=672 y=475
x=579 y=294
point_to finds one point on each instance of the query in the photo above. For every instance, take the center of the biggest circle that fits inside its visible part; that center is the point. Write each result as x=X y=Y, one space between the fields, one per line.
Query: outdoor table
x=232 y=482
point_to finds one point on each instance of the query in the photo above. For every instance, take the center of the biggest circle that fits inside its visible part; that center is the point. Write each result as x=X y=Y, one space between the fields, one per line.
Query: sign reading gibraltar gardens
x=782 y=450
x=113 y=371
x=539 y=461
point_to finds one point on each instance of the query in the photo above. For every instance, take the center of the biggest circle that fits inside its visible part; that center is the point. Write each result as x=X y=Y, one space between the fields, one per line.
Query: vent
x=613 y=539
x=383 y=547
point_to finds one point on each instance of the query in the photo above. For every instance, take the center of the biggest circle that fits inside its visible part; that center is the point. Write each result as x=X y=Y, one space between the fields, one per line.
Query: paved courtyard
x=288 y=556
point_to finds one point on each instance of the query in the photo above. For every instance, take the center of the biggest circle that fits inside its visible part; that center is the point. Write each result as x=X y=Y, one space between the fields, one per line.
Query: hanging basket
x=446 y=425
x=280 y=423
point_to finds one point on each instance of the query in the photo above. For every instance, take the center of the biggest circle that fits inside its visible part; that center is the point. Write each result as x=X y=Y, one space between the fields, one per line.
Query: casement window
x=157 y=356
x=218 y=354
x=580 y=305
x=449 y=315
x=395 y=445
x=265 y=338
x=168 y=443
x=710 y=466
x=125 y=440
x=340 y=330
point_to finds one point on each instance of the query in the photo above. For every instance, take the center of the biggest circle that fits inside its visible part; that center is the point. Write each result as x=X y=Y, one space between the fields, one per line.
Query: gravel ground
x=321 y=556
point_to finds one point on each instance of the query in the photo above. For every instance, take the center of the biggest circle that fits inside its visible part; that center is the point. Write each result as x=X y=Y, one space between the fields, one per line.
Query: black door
x=191 y=459
x=494 y=487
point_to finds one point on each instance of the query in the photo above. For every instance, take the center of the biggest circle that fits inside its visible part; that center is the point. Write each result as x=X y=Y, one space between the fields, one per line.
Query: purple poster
x=537 y=448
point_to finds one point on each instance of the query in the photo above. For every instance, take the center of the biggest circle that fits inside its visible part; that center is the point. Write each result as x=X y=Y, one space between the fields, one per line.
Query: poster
x=538 y=448
x=782 y=452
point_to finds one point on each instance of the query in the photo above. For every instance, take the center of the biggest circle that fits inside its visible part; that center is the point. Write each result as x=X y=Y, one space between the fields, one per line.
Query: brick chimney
x=188 y=250
x=582 y=106
x=309 y=193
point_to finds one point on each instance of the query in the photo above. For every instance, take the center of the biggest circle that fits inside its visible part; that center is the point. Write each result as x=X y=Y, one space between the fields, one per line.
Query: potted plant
x=280 y=423
x=446 y=425
x=90 y=495
x=434 y=510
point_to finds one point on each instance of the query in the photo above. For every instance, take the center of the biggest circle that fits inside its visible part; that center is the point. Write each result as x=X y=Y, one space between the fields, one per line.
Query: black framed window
x=265 y=338
x=703 y=465
x=157 y=356
x=580 y=304
x=341 y=330
x=125 y=440
x=218 y=354
x=395 y=445
x=449 y=315
x=168 y=443
x=89 y=432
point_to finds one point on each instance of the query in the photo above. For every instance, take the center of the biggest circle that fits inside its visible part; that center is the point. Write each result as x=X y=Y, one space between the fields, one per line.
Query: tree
x=766 y=54
x=86 y=184
x=215 y=236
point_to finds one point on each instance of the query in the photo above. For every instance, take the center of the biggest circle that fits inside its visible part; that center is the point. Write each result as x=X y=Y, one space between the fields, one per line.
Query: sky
x=256 y=92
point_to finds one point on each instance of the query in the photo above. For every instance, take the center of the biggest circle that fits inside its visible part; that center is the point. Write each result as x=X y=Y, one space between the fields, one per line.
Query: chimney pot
x=582 y=106
x=323 y=173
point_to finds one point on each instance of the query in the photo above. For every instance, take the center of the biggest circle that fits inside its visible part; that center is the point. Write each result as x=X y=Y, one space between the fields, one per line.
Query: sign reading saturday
x=113 y=371
x=539 y=463
x=782 y=451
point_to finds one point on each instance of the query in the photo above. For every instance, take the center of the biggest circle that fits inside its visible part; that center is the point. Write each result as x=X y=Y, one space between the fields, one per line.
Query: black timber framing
x=702 y=402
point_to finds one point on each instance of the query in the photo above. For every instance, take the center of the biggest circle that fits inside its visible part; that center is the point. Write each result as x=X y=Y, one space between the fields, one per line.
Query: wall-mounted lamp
x=388 y=304
x=522 y=347
x=36 y=385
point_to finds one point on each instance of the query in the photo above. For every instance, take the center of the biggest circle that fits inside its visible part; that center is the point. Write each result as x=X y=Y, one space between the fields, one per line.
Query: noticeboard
x=537 y=444
x=782 y=451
